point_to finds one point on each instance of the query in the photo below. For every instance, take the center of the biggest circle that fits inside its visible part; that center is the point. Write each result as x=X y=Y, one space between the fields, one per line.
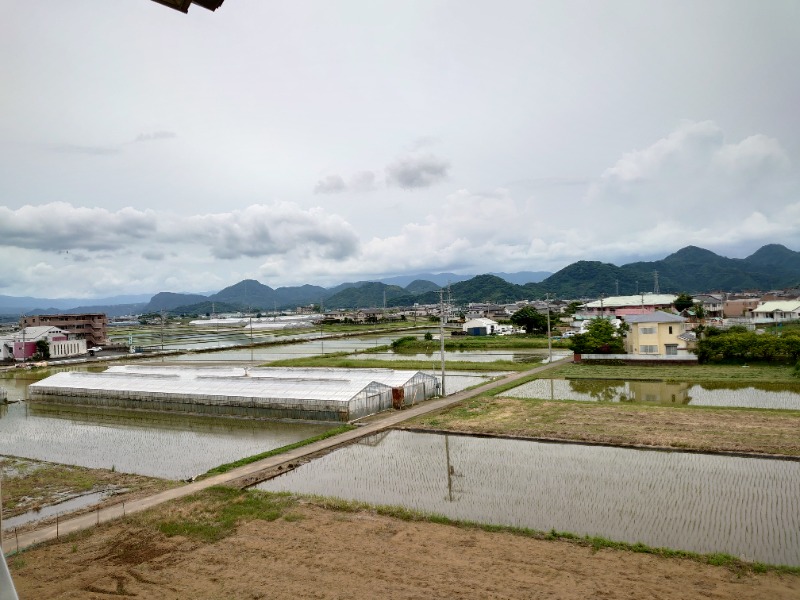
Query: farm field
x=252 y=545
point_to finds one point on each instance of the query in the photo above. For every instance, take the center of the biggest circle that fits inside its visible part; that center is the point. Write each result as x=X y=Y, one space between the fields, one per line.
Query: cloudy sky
x=145 y=150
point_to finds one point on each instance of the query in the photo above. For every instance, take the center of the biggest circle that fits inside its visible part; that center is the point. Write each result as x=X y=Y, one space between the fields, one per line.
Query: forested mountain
x=369 y=294
x=690 y=269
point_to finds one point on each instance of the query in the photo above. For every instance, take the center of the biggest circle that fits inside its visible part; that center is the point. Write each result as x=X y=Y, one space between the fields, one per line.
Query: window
x=672 y=349
x=670 y=329
x=647 y=330
x=648 y=349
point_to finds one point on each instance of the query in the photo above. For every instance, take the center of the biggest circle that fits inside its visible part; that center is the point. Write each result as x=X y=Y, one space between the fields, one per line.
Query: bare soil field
x=270 y=547
x=708 y=429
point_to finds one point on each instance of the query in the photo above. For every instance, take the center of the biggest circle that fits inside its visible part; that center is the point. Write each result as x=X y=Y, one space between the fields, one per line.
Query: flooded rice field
x=265 y=354
x=153 y=444
x=746 y=507
x=777 y=396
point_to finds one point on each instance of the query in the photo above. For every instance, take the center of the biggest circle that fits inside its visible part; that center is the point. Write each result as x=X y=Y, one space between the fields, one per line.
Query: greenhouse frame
x=315 y=394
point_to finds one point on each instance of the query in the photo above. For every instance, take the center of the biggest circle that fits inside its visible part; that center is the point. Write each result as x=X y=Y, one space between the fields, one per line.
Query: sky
x=146 y=150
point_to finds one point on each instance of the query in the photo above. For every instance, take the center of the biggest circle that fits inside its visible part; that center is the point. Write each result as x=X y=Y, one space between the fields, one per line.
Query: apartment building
x=92 y=327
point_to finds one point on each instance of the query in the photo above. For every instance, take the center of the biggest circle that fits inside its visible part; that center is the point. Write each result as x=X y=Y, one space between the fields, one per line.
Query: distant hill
x=690 y=269
x=522 y=277
x=370 y=294
x=170 y=300
x=420 y=286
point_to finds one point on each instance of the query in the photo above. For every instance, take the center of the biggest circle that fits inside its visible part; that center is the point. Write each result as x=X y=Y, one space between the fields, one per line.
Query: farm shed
x=267 y=392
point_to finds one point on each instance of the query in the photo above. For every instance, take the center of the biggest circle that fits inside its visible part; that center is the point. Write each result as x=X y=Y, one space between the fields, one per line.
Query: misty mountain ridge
x=691 y=269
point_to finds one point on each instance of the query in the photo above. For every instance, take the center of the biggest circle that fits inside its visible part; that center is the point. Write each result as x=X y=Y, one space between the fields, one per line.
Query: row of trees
x=741 y=345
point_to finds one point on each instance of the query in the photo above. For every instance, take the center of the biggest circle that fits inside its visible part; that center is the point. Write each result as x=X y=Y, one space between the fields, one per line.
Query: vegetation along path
x=251 y=473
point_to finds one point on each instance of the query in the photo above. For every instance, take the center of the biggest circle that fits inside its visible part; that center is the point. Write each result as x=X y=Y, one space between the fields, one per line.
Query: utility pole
x=162 y=329
x=549 y=337
x=441 y=333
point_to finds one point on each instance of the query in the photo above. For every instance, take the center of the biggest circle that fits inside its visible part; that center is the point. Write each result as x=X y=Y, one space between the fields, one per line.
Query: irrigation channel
x=746 y=507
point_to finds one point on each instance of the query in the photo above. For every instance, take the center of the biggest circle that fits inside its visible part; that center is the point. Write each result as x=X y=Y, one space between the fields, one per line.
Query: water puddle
x=777 y=396
x=746 y=507
x=62 y=507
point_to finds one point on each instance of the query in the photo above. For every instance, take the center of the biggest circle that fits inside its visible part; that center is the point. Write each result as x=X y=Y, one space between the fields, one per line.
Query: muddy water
x=746 y=507
x=778 y=396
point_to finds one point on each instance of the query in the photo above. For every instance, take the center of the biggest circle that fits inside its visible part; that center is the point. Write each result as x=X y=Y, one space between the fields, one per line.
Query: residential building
x=21 y=345
x=622 y=305
x=480 y=326
x=92 y=327
x=713 y=306
x=739 y=307
x=656 y=333
x=776 y=311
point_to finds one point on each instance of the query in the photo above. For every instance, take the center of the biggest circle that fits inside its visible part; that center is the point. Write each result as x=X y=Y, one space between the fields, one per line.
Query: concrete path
x=70 y=525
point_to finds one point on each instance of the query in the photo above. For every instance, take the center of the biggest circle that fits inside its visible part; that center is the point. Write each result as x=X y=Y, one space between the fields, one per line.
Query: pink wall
x=24 y=350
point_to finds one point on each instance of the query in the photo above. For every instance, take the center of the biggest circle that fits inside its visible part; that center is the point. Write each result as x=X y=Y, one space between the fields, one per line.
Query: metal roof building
x=268 y=392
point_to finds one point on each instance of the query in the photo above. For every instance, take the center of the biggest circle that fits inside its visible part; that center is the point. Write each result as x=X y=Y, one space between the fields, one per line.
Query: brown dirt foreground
x=314 y=552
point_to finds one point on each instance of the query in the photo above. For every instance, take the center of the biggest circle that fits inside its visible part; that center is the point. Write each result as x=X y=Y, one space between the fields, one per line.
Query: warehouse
x=315 y=394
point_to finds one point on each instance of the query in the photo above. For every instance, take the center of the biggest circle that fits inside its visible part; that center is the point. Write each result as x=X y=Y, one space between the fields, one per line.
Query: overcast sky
x=146 y=150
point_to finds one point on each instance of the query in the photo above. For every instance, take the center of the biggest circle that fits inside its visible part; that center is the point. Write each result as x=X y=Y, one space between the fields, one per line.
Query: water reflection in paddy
x=266 y=354
x=746 y=507
x=779 y=396
x=158 y=445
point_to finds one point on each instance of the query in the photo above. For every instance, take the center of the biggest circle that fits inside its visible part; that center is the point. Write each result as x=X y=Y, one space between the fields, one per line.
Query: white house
x=481 y=326
x=776 y=311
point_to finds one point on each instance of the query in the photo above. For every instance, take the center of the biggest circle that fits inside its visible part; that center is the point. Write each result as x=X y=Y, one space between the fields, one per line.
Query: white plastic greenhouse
x=267 y=392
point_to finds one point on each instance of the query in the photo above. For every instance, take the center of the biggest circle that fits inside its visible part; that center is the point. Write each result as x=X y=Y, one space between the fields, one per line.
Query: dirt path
x=327 y=554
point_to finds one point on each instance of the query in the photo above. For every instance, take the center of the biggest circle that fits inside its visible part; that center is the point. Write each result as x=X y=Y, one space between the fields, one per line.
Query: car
x=569 y=334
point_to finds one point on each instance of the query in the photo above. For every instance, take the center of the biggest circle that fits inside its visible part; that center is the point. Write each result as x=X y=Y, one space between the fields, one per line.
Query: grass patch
x=215 y=513
x=251 y=459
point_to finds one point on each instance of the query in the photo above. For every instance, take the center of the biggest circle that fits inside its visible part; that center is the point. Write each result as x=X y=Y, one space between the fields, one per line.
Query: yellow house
x=656 y=333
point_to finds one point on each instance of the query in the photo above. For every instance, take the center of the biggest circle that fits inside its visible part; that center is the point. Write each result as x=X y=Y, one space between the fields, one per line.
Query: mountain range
x=691 y=269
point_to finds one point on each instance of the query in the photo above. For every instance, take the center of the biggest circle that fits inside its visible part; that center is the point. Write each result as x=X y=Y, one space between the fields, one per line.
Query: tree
x=682 y=302
x=600 y=338
x=531 y=319
x=42 y=349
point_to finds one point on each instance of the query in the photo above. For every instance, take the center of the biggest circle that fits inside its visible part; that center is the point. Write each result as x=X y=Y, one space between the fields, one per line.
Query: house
x=712 y=305
x=480 y=326
x=92 y=327
x=655 y=334
x=739 y=307
x=620 y=305
x=21 y=345
x=776 y=311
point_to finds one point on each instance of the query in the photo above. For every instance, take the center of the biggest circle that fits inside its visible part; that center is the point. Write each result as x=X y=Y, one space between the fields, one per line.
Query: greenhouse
x=316 y=394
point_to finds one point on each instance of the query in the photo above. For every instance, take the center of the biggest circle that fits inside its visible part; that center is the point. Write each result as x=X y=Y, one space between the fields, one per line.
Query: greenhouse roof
x=337 y=385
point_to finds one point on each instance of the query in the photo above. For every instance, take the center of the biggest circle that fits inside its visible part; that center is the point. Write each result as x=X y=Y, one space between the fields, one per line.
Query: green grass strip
x=256 y=457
